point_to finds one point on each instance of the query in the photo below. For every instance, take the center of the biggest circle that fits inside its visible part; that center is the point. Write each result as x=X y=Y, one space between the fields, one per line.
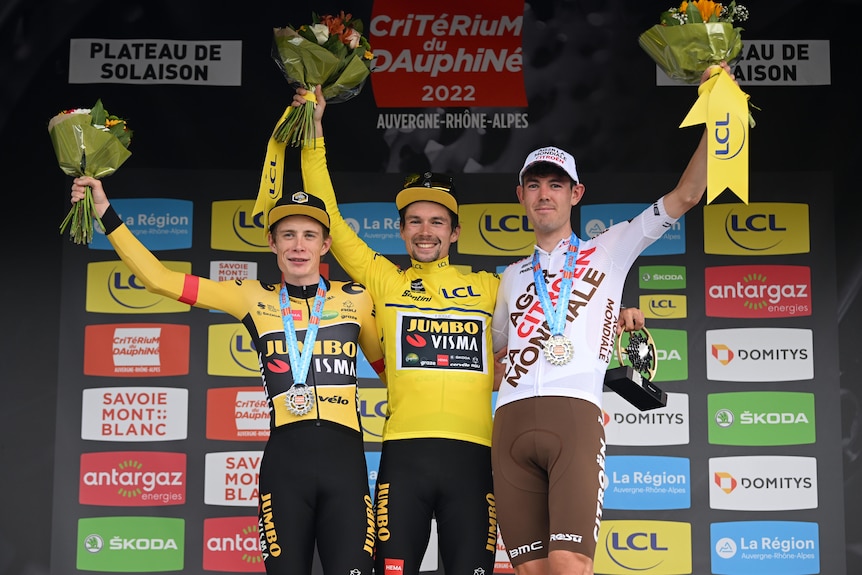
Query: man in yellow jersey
x=434 y=321
x=313 y=478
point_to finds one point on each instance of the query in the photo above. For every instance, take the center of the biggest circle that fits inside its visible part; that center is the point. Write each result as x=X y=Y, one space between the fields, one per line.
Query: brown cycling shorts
x=548 y=456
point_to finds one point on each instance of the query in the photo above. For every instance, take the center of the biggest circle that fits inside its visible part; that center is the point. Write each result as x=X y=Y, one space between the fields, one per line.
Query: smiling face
x=426 y=229
x=548 y=201
x=299 y=244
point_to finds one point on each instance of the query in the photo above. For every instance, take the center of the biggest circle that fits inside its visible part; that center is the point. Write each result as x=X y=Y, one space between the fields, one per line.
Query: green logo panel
x=761 y=418
x=661 y=277
x=130 y=544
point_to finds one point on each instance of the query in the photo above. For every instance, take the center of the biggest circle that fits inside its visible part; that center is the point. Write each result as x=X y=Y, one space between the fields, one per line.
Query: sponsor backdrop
x=160 y=417
x=164 y=417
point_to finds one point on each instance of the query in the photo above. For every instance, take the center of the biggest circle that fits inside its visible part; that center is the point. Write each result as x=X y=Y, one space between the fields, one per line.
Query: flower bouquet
x=88 y=142
x=693 y=37
x=331 y=52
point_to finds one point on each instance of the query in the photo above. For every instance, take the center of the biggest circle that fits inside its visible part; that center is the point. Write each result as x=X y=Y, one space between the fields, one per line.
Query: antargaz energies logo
x=133 y=478
x=758 y=291
x=232 y=544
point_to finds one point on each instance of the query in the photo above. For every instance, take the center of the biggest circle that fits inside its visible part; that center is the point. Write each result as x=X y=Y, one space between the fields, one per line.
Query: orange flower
x=342 y=27
x=334 y=23
x=707 y=8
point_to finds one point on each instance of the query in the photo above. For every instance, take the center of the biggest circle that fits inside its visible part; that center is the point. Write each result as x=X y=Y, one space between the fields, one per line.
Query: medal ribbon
x=300 y=363
x=556 y=316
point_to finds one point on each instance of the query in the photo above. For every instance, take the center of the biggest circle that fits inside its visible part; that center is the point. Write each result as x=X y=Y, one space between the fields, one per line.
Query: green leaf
x=693 y=14
x=121 y=133
x=98 y=114
x=336 y=46
x=306 y=33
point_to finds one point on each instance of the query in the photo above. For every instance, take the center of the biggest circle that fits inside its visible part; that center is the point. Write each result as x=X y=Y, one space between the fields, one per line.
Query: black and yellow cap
x=428 y=187
x=299 y=204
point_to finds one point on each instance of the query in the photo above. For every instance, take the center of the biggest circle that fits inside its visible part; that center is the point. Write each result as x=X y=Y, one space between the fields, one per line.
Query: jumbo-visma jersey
x=435 y=324
x=348 y=317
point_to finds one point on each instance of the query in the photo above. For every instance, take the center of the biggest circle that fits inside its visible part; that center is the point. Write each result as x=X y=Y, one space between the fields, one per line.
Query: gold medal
x=559 y=350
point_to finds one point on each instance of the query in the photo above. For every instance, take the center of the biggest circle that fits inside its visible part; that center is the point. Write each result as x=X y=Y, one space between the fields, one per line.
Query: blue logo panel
x=765 y=548
x=372 y=462
x=160 y=224
x=377 y=224
x=595 y=219
x=363 y=366
x=647 y=482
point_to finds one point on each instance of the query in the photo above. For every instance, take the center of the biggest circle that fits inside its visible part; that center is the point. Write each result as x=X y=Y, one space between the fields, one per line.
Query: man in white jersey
x=548 y=444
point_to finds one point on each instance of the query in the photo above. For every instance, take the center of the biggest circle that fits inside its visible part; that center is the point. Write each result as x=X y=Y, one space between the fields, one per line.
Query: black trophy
x=632 y=380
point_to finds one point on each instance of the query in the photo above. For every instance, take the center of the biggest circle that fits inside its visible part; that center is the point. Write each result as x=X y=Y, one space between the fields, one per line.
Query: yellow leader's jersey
x=348 y=318
x=435 y=324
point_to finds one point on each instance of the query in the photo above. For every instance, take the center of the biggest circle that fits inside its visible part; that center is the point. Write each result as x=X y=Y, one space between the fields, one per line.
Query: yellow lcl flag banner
x=723 y=107
x=272 y=174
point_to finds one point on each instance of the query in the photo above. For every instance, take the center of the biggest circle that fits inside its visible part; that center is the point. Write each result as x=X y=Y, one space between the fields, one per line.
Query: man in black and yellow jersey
x=313 y=477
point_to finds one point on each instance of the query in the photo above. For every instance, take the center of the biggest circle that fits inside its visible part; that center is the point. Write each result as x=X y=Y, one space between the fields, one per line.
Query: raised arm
x=692 y=184
x=153 y=274
x=352 y=253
